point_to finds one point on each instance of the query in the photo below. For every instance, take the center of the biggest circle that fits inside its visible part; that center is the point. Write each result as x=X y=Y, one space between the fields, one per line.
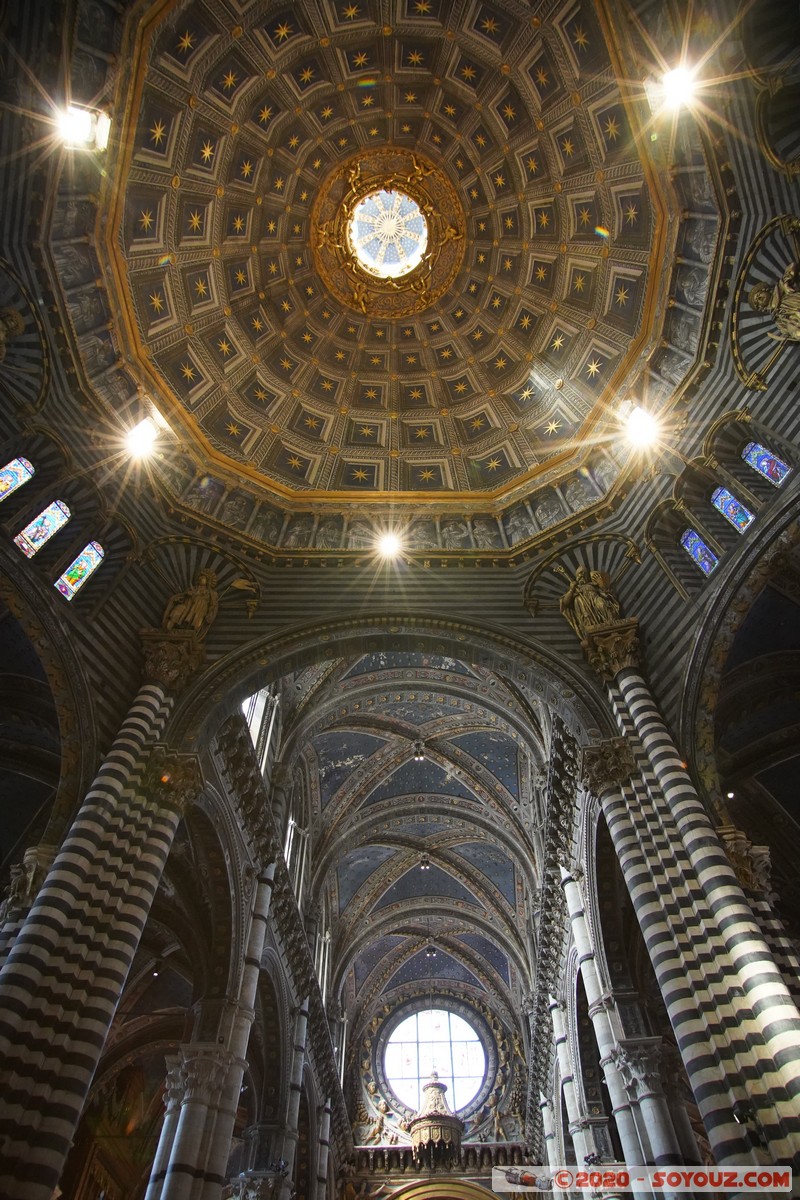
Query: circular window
x=388 y=234
x=435 y=1040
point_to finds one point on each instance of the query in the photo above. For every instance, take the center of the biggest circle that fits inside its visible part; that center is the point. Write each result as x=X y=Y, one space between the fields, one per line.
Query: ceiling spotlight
x=641 y=427
x=678 y=86
x=141 y=438
x=84 y=128
x=389 y=545
x=424 y=863
x=730 y=795
x=419 y=751
x=430 y=950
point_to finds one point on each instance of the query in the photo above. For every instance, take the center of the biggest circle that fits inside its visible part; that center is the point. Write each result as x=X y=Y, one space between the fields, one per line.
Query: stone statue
x=588 y=601
x=782 y=301
x=375 y=1134
x=26 y=879
x=11 y=326
x=195 y=608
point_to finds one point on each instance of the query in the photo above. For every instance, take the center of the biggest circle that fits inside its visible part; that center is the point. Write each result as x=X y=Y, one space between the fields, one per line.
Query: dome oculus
x=388 y=233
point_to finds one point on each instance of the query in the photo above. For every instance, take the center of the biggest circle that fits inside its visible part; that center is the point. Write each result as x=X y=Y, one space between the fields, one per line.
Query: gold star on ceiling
x=509 y=223
x=490 y=26
x=422 y=8
x=257 y=324
x=477 y=423
x=621 y=295
x=241 y=276
x=450 y=111
x=579 y=283
x=477 y=334
x=238 y=224
x=350 y=12
x=307 y=337
x=426 y=475
x=460 y=387
x=201 y=287
x=311 y=422
x=327 y=385
x=246 y=169
x=360 y=59
x=307 y=74
x=359 y=474
x=532 y=165
x=557 y=342
x=543 y=218
x=265 y=114
x=525 y=321
x=146 y=219
x=283 y=31
x=509 y=112
x=415 y=58
x=580 y=38
x=507 y=264
x=467 y=72
x=415 y=394
x=492 y=464
x=421 y=432
x=526 y=393
x=496 y=301
x=195 y=222
x=158 y=132
x=156 y=301
x=410 y=97
x=541 y=274
x=611 y=129
x=446 y=352
x=542 y=77
x=371 y=393
x=294 y=462
x=224 y=347
x=499 y=180
x=229 y=81
x=366 y=431
x=593 y=368
x=186 y=42
x=233 y=429
x=568 y=147
x=584 y=216
x=286 y=363
x=499 y=363
x=552 y=427
x=207 y=152
x=631 y=214
x=260 y=394
x=340 y=356
x=187 y=370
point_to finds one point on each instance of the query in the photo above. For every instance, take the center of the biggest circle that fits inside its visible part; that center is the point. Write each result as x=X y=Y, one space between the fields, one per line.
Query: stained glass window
x=435 y=1040
x=696 y=548
x=766 y=463
x=42 y=528
x=13 y=475
x=79 y=571
x=732 y=509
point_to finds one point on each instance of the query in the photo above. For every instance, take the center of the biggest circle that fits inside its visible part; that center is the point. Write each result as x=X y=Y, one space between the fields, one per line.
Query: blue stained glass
x=766 y=463
x=732 y=509
x=13 y=475
x=42 y=528
x=696 y=548
x=79 y=571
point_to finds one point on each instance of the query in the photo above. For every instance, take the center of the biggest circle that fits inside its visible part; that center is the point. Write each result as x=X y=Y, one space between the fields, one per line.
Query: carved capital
x=611 y=648
x=173 y=779
x=640 y=1063
x=204 y=1070
x=174 y=1083
x=608 y=765
x=751 y=863
x=171 y=657
x=258 y=1185
x=26 y=879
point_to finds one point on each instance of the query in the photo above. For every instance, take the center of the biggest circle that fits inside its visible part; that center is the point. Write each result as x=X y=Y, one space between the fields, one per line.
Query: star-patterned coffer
x=217 y=242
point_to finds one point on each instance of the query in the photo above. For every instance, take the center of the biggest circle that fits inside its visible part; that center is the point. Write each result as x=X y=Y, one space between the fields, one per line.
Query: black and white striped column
x=323 y=1151
x=772 y=1018
x=290 y=1131
x=578 y=1124
x=62 y=980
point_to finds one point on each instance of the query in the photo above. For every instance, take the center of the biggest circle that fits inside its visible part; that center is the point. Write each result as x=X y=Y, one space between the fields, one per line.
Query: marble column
x=578 y=1123
x=323 y=1150
x=550 y=1146
x=290 y=1131
x=601 y=1021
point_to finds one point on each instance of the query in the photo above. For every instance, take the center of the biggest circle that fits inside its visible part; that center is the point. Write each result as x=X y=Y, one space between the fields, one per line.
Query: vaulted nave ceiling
x=484 y=384
x=426 y=869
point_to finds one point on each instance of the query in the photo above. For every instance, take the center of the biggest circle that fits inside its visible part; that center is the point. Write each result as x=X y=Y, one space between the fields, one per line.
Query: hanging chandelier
x=435 y=1130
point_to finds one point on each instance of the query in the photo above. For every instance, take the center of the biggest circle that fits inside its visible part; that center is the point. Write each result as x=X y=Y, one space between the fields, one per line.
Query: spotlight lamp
x=424 y=863
x=84 y=128
x=419 y=751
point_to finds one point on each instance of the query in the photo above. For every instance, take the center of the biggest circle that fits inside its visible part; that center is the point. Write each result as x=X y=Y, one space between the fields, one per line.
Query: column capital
x=173 y=779
x=26 y=879
x=607 y=765
x=174 y=1083
x=613 y=647
x=171 y=657
x=640 y=1062
x=204 y=1069
x=751 y=863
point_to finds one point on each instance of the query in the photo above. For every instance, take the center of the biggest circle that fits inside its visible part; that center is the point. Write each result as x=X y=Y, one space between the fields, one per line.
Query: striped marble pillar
x=64 y=975
x=290 y=1131
x=578 y=1125
x=174 y=1088
x=550 y=1147
x=323 y=1150
x=601 y=1022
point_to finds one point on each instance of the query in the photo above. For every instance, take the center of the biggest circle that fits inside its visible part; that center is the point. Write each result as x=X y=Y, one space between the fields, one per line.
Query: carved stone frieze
x=171 y=657
x=607 y=765
x=612 y=648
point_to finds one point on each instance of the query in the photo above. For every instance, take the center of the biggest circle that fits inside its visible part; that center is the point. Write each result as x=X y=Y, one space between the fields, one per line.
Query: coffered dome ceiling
x=493 y=366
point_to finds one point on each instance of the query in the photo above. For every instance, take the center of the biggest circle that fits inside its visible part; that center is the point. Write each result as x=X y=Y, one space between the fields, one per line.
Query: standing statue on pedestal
x=588 y=601
x=195 y=608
